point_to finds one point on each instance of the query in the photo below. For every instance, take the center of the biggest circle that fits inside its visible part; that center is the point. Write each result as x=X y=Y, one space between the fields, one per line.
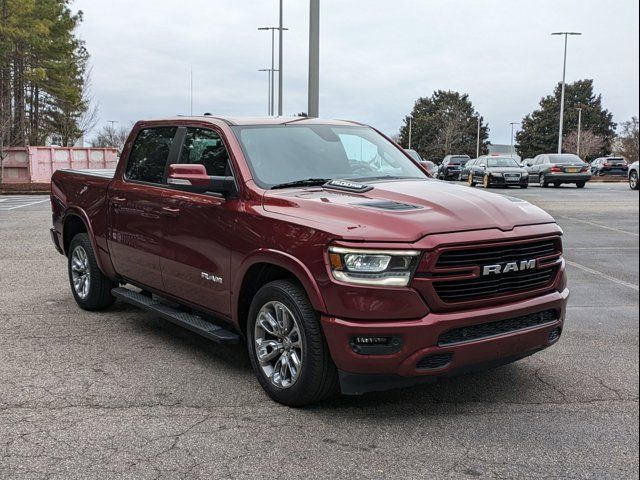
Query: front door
x=135 y=208
x=198 y=229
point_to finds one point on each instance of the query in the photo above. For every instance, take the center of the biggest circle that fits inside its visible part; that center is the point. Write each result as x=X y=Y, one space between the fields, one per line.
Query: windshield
x=564 y=159
x=280 y=154
x=502 y=162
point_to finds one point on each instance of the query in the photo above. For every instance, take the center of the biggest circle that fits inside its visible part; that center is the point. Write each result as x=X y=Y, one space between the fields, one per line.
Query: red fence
x=33 y=166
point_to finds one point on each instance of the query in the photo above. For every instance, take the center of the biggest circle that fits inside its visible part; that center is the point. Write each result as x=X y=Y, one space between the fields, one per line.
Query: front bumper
x=419 y=339
x=502 y=182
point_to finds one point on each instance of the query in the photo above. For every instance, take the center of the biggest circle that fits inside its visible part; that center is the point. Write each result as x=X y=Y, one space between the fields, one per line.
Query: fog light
x=375 y=345
x=554 y=334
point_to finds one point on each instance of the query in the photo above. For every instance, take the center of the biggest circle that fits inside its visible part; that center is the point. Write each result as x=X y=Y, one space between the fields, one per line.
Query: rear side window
x=205 y=147
x=149 y=154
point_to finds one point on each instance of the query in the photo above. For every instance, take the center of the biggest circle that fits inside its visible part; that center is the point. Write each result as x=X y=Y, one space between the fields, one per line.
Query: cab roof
x=253 y=121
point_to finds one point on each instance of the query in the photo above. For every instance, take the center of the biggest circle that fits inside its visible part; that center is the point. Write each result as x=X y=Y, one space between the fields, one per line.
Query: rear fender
x=102 y=257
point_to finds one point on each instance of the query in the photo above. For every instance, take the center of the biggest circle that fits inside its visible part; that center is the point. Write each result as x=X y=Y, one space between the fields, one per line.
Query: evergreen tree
x=445 y=123
x=42 y=72
x=539 y=132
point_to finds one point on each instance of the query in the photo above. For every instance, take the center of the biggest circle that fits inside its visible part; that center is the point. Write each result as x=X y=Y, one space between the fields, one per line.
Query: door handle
x=170 y=212
x=117 y=201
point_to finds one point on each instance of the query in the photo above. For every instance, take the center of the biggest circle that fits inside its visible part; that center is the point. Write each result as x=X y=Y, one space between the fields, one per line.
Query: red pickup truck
x=321 y=244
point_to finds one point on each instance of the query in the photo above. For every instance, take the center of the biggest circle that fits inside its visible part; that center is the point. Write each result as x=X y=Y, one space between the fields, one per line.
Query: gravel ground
x=120 y=394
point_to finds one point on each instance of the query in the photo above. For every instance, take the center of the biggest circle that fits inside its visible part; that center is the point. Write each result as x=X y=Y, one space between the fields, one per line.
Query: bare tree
x=590 y=144
x=628 y=141
x=110 y=136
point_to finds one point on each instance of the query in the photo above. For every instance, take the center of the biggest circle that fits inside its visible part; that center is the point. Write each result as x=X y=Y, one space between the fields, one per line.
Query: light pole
x=513 y=124
x=281 y=37
x=579 y=131
x=273 y=69
x=478 y=138
x=269 y=88
x=564 y=74
x=314 y=59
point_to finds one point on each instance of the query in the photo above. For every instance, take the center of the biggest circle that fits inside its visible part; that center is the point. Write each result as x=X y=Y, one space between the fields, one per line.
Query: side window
x=205 y=147
x=149 y=154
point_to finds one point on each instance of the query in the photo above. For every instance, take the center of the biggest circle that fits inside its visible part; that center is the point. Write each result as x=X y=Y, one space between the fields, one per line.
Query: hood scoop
x=348 y=186
x=388 y=205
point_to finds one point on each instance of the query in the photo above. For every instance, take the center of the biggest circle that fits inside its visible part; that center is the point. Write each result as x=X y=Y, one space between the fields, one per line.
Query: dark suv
x=451 y=167
x=610 y=166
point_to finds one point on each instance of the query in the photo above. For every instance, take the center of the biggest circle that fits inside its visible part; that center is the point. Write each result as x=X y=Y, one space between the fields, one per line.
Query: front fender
x=283 y=260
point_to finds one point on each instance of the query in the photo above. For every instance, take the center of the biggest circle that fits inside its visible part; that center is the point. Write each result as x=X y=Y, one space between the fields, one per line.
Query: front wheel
x=580 y=184
x=486 y=182
x=524 y=186
x=633 y=180
x=472 y=183
x=90 y=287
x=287 y=348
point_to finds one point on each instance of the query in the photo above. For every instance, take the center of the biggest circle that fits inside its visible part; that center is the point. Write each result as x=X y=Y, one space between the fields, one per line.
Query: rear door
x=198 y=229
x=135 y=235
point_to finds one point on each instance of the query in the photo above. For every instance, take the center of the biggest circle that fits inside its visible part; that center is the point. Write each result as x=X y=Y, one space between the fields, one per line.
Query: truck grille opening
x=483 y=287
x=431 y=362
x=501 y=327
x=497 y=254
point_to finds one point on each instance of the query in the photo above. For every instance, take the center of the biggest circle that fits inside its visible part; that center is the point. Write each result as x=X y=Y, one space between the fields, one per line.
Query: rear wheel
x=90 y=287
x=580 y=184
x=633 y=180
x=557 y=184
x=287 y=348
x=543 y=181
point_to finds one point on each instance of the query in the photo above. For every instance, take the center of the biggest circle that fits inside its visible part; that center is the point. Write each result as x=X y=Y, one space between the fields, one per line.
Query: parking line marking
x=601 y=248
x=632 y=286
x=26 y=205
x=601 y=226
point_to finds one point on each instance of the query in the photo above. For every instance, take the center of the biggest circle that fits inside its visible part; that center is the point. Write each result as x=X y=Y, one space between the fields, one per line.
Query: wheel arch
x=264 y=266
x=75 y=222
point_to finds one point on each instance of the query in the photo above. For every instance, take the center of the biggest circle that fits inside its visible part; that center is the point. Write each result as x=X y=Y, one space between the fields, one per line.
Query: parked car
x=633 y=176
x=558 y=169
x=496 y=171
x=464 y=171
x=609 y=166
x=451 y=165
x=429 y=167
x=289 y=236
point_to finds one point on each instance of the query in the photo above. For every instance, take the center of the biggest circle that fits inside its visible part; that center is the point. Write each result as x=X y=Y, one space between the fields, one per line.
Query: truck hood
x=402 y=210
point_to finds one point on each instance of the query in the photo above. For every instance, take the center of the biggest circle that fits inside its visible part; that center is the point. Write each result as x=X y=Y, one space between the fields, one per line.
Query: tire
x=581 y=184
x=317 y=376
x=524 y=186
x=90 y=287
x=556 y=185
x=633 y=180
x=486 y=182
x=471 y=182
x=543 y=182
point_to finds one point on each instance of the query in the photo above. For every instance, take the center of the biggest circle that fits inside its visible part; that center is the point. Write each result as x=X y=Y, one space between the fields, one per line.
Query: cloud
x=377 y=57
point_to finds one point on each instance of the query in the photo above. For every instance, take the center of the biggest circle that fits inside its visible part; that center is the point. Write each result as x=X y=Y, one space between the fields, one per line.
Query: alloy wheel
x=633 y=180
x=278 y=344
x=80 y=273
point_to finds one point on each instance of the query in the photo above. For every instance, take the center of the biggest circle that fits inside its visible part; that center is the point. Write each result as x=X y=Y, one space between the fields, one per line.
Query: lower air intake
x=438 y=360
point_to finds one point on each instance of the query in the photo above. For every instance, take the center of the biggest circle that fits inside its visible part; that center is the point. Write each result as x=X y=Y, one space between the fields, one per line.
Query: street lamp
x=273 y=68
x=564 y=73
x=478 y=137
x=314 y=59
x=579 y=131
x=513 y=124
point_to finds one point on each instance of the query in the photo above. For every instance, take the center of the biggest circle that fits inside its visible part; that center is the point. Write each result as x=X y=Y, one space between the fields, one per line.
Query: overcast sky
x=377 y=56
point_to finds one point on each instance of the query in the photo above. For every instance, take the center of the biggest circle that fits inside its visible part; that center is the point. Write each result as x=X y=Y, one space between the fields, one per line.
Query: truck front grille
x=501 y=327
x=483 y=287
x=496 y=254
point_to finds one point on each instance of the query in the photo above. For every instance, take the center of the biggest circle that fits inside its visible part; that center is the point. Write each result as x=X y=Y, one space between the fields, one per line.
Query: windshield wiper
x=308 y=182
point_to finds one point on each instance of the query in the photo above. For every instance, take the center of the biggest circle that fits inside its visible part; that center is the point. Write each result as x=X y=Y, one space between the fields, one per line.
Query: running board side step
x=191 y=322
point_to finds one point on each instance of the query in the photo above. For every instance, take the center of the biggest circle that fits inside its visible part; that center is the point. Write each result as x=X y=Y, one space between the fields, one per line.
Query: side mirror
x=194 y=178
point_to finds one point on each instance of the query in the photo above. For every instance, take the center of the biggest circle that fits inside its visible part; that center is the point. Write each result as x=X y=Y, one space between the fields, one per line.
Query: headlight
x=525 y=174
x=390 y=268
x=496 y=174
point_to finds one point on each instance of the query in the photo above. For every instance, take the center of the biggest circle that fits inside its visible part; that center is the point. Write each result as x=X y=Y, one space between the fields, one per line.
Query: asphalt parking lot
x=120 y=394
